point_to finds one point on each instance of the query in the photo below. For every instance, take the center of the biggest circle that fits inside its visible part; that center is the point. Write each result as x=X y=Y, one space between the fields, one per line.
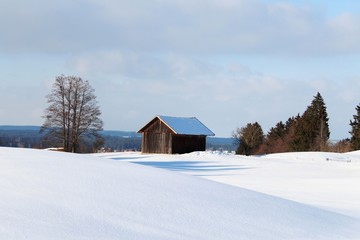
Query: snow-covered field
x=52 y=195
x=327 y=180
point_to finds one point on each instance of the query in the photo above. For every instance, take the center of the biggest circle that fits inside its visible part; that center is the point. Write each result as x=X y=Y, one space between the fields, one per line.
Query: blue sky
x=226 y=62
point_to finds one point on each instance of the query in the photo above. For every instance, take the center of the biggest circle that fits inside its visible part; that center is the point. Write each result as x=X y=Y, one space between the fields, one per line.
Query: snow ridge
x=51 y=195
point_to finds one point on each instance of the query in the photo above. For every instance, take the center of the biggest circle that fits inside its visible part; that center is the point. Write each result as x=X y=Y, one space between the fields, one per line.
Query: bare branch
x=72 y=112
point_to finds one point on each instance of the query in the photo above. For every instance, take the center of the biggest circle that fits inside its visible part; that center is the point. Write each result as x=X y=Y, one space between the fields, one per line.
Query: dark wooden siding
x=159 y=138
x=188 y=143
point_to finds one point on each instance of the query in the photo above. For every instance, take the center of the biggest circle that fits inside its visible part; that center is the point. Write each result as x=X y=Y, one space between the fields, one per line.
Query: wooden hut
x=164 y=134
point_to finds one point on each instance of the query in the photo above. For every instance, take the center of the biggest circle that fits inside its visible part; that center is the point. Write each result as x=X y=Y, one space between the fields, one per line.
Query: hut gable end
x=157 y=126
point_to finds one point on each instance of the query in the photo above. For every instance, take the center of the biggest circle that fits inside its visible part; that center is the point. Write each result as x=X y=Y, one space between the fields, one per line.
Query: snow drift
x=51 y=195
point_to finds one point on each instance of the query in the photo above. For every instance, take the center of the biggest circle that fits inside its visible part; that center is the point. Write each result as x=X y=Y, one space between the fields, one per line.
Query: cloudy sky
x=227 y=62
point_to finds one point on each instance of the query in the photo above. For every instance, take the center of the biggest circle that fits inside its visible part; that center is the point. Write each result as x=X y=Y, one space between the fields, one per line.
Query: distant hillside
x=20 y=136
x=15 y=129
x=216 y=143
x=19 y=128
x=37 y=128
x=30 y=137
x=124 y=134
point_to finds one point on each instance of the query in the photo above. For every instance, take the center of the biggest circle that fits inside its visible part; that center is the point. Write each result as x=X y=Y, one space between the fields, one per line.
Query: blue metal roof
x=186 y=125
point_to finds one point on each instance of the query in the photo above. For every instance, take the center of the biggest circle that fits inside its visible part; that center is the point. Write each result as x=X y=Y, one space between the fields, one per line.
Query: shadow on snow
x=190 y=166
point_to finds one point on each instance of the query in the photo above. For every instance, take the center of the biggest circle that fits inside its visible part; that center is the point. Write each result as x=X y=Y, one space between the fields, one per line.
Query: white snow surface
x=53 y=195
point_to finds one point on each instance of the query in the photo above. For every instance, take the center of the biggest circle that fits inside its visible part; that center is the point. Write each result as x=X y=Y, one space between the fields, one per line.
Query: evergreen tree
x=355 y=130
x=291 y=126
x=273 y=140
x=322 y=132
x=312 y=129
x=280 y=137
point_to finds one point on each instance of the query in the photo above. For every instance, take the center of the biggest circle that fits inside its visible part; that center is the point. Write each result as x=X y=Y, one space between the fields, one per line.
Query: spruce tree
x=281 y=137
x=312 y=130
x=274 y=139
x=322 y=132
x=355 y=130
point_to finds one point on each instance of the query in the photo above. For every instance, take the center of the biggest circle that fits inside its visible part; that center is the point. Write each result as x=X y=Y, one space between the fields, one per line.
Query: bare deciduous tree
x=73 y=115
x=249 y=138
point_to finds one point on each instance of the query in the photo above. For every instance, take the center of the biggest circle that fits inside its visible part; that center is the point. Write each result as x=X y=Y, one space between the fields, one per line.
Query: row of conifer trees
x=306 y=132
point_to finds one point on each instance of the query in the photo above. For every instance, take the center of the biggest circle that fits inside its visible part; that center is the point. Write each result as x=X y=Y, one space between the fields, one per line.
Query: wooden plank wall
x=158 y=138
x=188 y=143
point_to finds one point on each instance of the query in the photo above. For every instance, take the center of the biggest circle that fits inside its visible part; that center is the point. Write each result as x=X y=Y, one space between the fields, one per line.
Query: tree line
x=306 y=132
x=114 y=141
x=32 y=138
x=73 y=123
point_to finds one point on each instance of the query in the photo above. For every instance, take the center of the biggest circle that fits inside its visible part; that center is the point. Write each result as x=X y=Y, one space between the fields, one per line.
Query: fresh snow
x=326 y=180
x=53 y=195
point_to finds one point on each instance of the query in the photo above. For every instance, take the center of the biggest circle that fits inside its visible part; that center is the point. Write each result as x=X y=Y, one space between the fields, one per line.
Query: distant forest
x=30 y=137
x=308 y=131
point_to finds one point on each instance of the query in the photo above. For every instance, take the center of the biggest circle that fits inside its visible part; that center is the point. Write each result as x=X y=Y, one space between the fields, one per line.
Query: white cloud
x=206 y=27
x=344 y=33
x=217 y=59
x=139 y=66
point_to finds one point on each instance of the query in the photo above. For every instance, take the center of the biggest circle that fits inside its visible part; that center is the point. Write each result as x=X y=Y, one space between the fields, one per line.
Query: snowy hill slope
x=51 y=195
x=326 y=180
